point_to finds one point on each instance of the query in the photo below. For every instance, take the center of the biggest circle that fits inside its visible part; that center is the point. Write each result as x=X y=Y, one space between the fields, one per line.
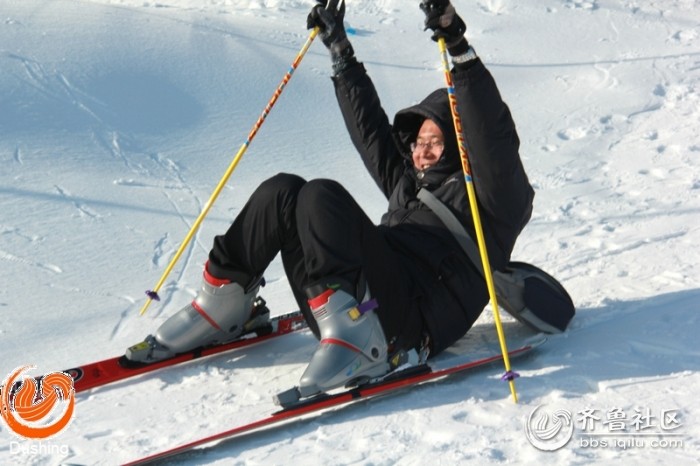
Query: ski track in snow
x=134 y=114
x=83 y=210
x=6 y=256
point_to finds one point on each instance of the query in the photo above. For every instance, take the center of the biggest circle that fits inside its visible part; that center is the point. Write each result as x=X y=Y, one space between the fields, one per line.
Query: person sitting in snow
x=372 y=292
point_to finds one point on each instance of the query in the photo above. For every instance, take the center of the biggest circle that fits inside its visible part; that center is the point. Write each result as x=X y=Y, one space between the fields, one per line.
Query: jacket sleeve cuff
x=343 y=59
x=350 y=73
x=467 y=62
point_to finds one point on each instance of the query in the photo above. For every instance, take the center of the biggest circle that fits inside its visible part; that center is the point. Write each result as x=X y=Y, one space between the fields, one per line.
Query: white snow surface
x=119 y=117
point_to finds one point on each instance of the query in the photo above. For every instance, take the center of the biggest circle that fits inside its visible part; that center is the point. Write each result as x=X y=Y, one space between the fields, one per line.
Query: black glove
x=443 y=20
x=329 y=19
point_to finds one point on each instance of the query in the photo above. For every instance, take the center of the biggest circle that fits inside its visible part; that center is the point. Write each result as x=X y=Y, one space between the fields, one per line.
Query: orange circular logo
x=37 y=408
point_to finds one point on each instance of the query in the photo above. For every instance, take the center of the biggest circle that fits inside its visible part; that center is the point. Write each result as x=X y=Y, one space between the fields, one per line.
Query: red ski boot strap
x=212 y=280
x=320 y=300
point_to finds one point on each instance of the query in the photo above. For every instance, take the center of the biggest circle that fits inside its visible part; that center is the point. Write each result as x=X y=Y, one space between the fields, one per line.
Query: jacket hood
x=408 y=121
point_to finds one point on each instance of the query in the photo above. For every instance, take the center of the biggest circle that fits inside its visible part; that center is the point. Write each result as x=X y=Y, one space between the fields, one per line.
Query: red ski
x=396 y=381
x=111 y=370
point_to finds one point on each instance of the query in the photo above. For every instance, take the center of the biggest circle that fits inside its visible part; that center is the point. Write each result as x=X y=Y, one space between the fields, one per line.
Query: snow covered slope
x=118 y=117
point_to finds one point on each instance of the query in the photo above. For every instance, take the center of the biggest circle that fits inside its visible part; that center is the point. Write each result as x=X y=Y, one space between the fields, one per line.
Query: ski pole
x=471 y=194
x=153 y=294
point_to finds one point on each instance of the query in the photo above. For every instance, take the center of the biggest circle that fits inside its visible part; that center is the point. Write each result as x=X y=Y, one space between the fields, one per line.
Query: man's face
x=429 y=145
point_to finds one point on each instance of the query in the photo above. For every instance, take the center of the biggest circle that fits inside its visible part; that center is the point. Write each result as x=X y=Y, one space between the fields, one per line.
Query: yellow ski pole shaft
x=471 y=193
x=153 y=294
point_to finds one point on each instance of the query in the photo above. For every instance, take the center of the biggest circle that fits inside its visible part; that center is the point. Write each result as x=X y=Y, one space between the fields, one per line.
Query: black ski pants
x=321 y=232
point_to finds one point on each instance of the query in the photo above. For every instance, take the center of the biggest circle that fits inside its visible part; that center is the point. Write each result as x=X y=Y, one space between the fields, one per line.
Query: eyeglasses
x=438 y=145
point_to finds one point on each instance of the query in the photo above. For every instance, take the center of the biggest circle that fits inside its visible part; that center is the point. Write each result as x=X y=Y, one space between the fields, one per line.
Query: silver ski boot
x=221 y=312
x=353 y=348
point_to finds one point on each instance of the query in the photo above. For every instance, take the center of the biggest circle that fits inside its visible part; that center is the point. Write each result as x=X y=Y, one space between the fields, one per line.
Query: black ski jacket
x=449 y=291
